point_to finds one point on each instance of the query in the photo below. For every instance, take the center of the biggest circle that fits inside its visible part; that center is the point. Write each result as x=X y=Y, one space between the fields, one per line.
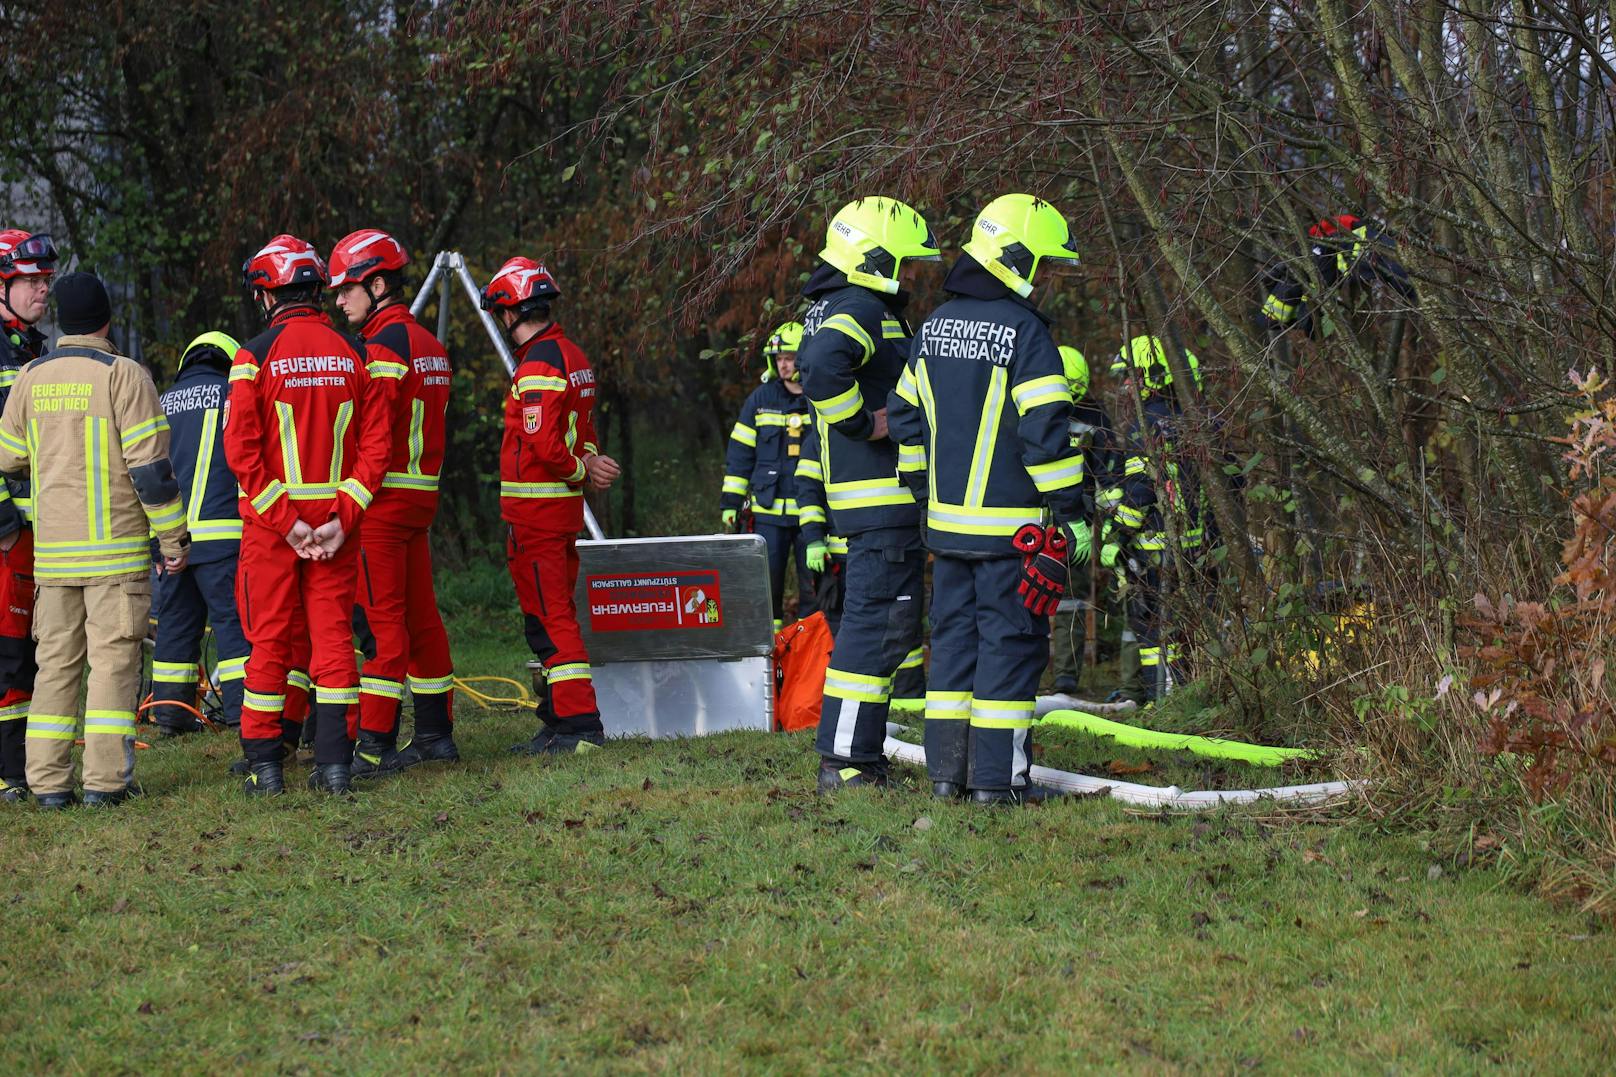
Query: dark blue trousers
x=186 y=603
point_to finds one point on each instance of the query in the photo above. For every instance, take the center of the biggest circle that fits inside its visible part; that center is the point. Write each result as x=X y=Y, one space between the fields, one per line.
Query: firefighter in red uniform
x=26 y=264
x=548 y=456
x=307 y=435
x=395 y=558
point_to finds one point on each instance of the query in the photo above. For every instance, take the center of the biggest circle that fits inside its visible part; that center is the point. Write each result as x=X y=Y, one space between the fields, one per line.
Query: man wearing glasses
x=26 y=264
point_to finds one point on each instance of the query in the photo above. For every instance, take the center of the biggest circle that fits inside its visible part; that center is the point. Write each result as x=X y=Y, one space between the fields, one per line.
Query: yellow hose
x=464 y=685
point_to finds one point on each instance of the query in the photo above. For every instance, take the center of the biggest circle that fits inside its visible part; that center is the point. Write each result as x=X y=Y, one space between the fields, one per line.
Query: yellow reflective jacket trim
x=783 y=507
x=339 y=432
x=288 y=434
x=736 y=484
x=745 y=435
x=386 y=368
x=810 y=514
x=13 y=443
x=808 y=468
x=543 y=383
x=399 y=480
x=1130 y=517
x=165 y=517
x=538 y=490
x=913 y=659
x=268 y=496
x=842 y=406
x=52 y=727
x=979 y=520
x=1051 y=389
x=199 y=479
x=244 y=372
x=417 y=438
x=911 y=458
x=907 y=390
x=1057 y=474
x=356 y=490
x=891 y=329
x=867 y=493
x=1277 y=310
x=311 y=491
x=987 y=436
x=98 y=468
x=848 y=326
x=836 y=545
x=128 y=439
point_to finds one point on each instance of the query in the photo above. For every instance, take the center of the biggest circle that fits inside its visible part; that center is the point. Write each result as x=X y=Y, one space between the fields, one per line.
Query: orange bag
x=801 y=655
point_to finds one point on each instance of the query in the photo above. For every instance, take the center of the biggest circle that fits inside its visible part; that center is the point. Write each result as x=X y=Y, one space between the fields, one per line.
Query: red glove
x=1043 y=567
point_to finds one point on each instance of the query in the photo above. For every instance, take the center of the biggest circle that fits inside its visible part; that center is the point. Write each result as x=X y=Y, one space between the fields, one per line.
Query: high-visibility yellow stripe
x=786 y=506
x=417 y=436
x=736 y=484
x=810 y=514
x=204 y=466
x=244 y=372
x=259 y=701
x=111 y=723
x=1002 y=713
x=297 y=678
x=571 y=438
x=52 y=727
x=339 y=434
x=948 y=706
x=381 y=686
x=540 y=383
x=892 y=330
x=356 y=490
x=386 y=368
x=15 y=712
x=867 y=493
x=1130 y=517
x=1057 y=474
x=979 y=520
x=98 y=475
x=128 y=439
x=431 y=686
x=232 y=669
x=914 y=659
x=987 y=436
x=288 y=434
x=764 y=418
x=538 y=490
x=808 y=468
x=1050 y=389
x=928 y=404
x=165 y=517
x=744 y=434
x=268 y=496
x=568 y=671
x=311 y=491
x=842 y=406
x=848 y=326
x=911 y=458
x=397 y=480
x=174 y=672
x=859 y=687
x=344 y=694
x=13 y=443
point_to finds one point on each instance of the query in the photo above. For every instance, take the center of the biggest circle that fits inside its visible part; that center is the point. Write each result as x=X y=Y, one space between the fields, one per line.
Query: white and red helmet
x=361 y=254
x=26 y=254
x=521 y=283
x=283 y=262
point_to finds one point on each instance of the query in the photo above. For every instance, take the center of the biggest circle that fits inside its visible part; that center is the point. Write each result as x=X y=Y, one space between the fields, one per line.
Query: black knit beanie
x=82 y=305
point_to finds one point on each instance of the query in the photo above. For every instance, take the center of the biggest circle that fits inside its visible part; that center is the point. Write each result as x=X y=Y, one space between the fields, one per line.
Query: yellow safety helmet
x=213 y=339
x=868 y=240
x=1015 y=232
x=1077 y=370
x=1146 y=356
x=787 y=338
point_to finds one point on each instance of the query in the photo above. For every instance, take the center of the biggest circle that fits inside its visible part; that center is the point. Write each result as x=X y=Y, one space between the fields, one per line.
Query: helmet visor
x=37 y=249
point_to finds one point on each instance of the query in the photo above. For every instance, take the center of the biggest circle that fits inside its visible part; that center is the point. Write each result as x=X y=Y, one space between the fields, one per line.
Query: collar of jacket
x=391 y=314
x=827 y=278
x=968 y=278
x=208 y=363
x=85 y=340
x=553 y=331
x=296 y=311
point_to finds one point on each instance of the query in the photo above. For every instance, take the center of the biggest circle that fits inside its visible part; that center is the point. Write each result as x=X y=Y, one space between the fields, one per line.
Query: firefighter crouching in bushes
x=395 y=555
x=854 y=348
x=26 y=264
x=307 y=435
x=204 y=592
x=761 y=463
x=1094 y=437
x=84 y=422
x=982 y=418
x=548 y=456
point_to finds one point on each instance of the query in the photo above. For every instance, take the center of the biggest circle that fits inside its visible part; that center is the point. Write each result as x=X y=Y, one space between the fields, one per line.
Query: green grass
x=691 y=907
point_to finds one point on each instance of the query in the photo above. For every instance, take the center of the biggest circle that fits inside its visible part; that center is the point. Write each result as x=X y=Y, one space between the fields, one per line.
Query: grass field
x=691 y=907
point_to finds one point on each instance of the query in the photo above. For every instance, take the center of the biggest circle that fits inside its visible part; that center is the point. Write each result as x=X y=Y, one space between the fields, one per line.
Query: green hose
x=1134 y=737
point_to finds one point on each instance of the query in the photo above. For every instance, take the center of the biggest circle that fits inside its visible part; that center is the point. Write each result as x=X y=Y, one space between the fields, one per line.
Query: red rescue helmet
x=26 y=254
x=360 y=254
x=284 y=261
x=1341 y=222
x=521 y=283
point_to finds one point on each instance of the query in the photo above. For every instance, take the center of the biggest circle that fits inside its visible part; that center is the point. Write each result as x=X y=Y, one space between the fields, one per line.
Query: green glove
x=816 y=556
x=1108 y=554
x=729 y=516
x=1082 y=542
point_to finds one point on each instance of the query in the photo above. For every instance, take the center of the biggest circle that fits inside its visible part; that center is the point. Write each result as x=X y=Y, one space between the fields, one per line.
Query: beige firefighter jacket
x=84 y=423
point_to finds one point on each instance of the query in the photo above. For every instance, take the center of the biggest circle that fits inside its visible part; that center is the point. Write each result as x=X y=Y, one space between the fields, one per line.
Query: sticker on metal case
x=644 y=602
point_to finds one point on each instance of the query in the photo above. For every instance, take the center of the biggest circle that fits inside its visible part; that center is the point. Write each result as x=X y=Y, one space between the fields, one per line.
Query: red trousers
x=297 y=614
x=16 y=653
x=544 y=568
x=395 y=589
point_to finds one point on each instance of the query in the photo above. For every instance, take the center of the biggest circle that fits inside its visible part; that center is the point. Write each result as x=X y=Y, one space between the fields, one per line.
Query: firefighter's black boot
x=333 y=778
x=265 y=779
x=55 y=801
x=947 y=790
x=428 y=748
x=996 y=798
x=13 y=791
x=834 y=776
x=376 y=755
